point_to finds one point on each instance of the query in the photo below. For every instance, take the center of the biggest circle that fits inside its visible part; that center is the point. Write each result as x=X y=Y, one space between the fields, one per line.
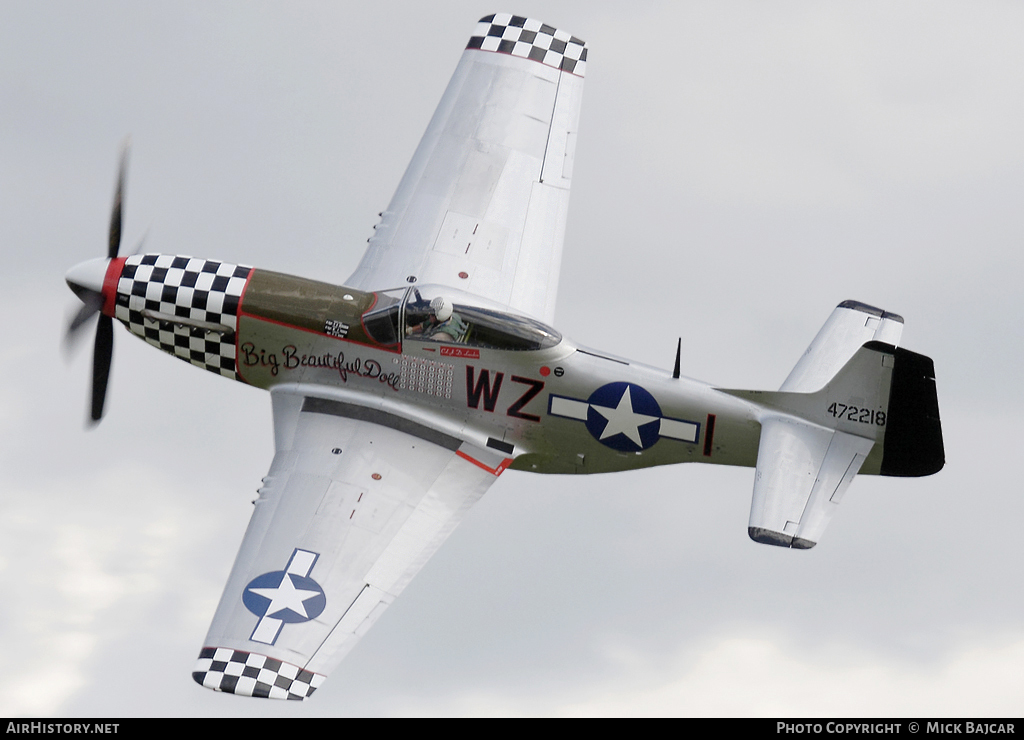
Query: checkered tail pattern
x=202 y=295
x=530 y=39
x=251 y=674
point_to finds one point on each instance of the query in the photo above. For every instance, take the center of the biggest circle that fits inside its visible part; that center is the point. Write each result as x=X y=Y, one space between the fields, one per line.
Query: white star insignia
x=622 y=419
x=286 y=596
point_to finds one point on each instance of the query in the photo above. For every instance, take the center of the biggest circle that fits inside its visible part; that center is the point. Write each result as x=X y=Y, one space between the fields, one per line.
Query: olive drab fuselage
x=511 y=384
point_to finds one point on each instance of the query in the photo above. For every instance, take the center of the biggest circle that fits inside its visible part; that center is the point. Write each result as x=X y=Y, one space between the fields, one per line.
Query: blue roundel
x=285 y=596
x=624 y=416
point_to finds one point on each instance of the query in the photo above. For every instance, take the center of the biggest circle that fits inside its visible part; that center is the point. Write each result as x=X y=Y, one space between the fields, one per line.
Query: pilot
x=442 y=324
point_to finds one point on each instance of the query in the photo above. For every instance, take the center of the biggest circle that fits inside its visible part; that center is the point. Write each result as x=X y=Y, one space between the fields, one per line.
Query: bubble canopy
x=405 y=314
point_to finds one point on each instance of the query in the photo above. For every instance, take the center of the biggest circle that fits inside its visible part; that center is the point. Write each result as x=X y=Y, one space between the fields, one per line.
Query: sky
x=741 y=168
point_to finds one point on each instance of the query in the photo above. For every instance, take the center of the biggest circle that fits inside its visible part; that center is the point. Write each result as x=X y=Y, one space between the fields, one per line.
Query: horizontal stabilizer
x=802 y=472
x=851 y=325
x=813 y=444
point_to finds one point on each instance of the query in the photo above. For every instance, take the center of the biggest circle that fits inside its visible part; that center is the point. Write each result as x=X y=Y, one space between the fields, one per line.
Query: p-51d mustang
x=395 y=408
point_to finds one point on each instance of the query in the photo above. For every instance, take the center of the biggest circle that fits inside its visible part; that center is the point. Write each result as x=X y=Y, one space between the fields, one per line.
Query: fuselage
x=504 y=383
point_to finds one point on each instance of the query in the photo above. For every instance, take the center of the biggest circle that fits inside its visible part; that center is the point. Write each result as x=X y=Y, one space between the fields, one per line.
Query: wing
x=356 y=501
x=482 y=205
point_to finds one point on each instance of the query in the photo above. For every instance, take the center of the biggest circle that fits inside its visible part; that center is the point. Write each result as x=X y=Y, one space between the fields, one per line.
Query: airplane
x=401 y=396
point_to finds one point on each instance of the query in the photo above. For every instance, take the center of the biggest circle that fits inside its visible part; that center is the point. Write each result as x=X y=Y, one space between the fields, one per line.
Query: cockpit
x=435 y=313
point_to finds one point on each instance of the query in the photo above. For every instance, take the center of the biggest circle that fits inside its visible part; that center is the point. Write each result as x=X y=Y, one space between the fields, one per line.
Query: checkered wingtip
x=530 y=39
x=251 y=674
x=197 y=289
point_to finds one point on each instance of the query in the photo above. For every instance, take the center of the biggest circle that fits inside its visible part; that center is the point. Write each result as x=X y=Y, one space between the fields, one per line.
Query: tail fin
x=876 y=412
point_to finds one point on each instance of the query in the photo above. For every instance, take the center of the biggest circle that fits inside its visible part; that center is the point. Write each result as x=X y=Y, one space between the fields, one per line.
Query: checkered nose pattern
x=185 y=306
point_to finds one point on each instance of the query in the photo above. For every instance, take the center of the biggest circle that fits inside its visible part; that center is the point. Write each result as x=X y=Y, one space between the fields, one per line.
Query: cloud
x=82 y=564
x=749 y=676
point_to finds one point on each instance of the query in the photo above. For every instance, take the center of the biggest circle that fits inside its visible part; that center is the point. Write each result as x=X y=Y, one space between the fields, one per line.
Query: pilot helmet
x=442 y=308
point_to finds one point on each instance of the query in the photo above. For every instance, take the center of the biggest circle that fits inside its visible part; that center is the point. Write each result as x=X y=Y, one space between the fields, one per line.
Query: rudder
x=913 y=436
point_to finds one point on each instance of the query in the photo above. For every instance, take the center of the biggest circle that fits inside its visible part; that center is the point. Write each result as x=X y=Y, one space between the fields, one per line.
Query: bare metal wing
x=482 y=205
x=356 y=501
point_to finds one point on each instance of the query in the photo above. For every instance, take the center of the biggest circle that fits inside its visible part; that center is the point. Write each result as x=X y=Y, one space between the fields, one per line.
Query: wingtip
x=251 y=674
x=529 y=38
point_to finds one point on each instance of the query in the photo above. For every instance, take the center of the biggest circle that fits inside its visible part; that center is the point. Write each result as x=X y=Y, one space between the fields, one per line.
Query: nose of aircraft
x=88 y=277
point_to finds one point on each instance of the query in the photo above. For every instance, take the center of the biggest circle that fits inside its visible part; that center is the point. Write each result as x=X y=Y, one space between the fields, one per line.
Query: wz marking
x=480 y=388
x=857 y=413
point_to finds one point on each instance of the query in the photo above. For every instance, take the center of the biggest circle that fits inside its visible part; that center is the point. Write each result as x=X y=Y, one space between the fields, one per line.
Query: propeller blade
x=91 y=304
x=102 y=353
x=115 y=217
